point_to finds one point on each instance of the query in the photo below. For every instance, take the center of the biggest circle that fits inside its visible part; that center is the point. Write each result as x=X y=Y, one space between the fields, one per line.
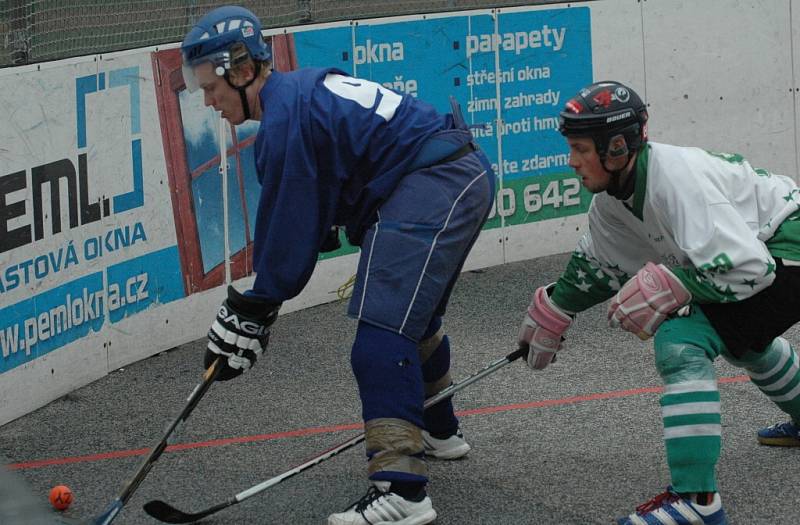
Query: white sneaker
x=378 y=507
x=453 y=447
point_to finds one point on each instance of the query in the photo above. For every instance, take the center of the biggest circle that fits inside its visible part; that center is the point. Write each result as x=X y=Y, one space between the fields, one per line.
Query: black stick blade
x=165 y=512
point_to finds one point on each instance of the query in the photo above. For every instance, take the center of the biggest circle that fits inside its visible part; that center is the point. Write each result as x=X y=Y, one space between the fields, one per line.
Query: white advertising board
x=113 y=245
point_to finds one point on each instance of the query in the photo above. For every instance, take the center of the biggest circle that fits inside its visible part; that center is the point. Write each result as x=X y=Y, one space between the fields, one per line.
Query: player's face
x=218 y=94
x=583 y=158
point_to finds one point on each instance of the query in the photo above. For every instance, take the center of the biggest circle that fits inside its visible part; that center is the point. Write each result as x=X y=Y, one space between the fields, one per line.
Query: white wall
x=717 y=74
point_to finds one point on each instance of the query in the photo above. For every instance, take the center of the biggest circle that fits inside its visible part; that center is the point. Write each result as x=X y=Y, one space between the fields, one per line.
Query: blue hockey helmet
x=609 y=113
x=213 y=36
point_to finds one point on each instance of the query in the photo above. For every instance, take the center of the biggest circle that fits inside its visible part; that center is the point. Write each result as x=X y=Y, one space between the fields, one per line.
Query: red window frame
x=169 y=83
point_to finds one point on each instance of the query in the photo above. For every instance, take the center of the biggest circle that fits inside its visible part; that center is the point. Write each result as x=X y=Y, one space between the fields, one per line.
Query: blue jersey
x=329 y=151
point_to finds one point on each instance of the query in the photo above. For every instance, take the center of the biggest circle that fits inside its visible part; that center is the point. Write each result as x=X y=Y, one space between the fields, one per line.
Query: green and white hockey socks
x=691 y=414
x=776 y=373
x=690 y=410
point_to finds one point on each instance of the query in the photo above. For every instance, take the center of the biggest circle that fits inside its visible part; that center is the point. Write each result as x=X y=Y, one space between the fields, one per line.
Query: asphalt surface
x=577 y=443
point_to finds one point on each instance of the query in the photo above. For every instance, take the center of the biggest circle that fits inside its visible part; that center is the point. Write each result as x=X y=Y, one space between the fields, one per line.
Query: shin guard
x=387 y=368
x=434 y=350
x=690 y=410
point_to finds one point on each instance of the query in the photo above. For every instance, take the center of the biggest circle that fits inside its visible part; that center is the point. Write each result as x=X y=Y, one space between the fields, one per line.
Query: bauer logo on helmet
x=621 y=116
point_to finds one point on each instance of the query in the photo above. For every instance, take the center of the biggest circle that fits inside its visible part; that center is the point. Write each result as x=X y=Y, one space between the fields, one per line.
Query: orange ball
x=60 y=497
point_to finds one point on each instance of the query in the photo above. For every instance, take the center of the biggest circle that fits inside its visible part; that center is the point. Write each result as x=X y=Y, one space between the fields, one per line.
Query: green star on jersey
x=703 y=287
x=726 y=295
x=585 y=282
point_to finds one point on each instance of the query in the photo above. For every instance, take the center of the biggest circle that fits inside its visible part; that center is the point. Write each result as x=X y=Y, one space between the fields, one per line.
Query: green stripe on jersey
x=785 y=243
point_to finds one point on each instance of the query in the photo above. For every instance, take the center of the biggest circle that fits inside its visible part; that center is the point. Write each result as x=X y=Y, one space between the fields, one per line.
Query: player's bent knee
x=677 y=362
x=428 y=346
x=758 y=361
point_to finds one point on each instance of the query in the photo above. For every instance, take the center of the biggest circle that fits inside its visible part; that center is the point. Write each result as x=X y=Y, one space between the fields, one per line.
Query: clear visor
x=204 y=69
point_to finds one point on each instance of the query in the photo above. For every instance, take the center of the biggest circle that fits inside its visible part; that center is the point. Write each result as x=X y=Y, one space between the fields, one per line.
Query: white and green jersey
x=714 y=220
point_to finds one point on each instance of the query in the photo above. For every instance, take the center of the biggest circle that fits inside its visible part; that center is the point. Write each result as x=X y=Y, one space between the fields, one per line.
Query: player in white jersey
x=698 y=249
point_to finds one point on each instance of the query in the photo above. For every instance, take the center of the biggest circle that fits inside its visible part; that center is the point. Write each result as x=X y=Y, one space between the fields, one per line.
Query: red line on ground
x=183 y=446
x=580 y=399
x=338 y=428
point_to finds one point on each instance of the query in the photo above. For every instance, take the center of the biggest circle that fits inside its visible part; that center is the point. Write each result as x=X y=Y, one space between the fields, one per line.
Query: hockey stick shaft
x=441 y=396
x=165 y=512
x=113 y=509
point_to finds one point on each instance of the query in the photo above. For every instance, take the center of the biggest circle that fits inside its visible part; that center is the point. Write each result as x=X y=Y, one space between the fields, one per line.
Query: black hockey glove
x=240 y=333
x=331 y=242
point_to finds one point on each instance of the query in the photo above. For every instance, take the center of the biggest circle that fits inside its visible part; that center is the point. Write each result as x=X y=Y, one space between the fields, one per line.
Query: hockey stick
x=108 y=515
x=165 y=512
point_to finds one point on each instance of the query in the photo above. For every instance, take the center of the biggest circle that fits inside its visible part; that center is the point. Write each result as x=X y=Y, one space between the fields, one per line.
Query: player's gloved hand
x=331 y=242
x=646 y=300
x=543 y=329
x=240 y=333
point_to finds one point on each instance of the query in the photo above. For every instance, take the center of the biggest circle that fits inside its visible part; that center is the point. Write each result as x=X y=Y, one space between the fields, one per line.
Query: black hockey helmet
x=609 y=113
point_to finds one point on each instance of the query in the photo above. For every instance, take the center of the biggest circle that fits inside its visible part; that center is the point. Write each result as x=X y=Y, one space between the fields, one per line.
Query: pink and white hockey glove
x=542 y=329
x=646 y=300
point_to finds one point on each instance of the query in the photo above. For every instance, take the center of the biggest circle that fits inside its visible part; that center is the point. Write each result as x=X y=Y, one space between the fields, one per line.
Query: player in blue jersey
x=410 y=188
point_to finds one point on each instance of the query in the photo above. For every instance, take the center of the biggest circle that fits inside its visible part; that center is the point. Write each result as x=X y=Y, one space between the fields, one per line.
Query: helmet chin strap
x=243 y=89
x=619 y=187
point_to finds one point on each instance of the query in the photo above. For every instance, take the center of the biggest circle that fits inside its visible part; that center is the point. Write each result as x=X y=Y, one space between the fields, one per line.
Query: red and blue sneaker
x=780 y=435
x=670 y=508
